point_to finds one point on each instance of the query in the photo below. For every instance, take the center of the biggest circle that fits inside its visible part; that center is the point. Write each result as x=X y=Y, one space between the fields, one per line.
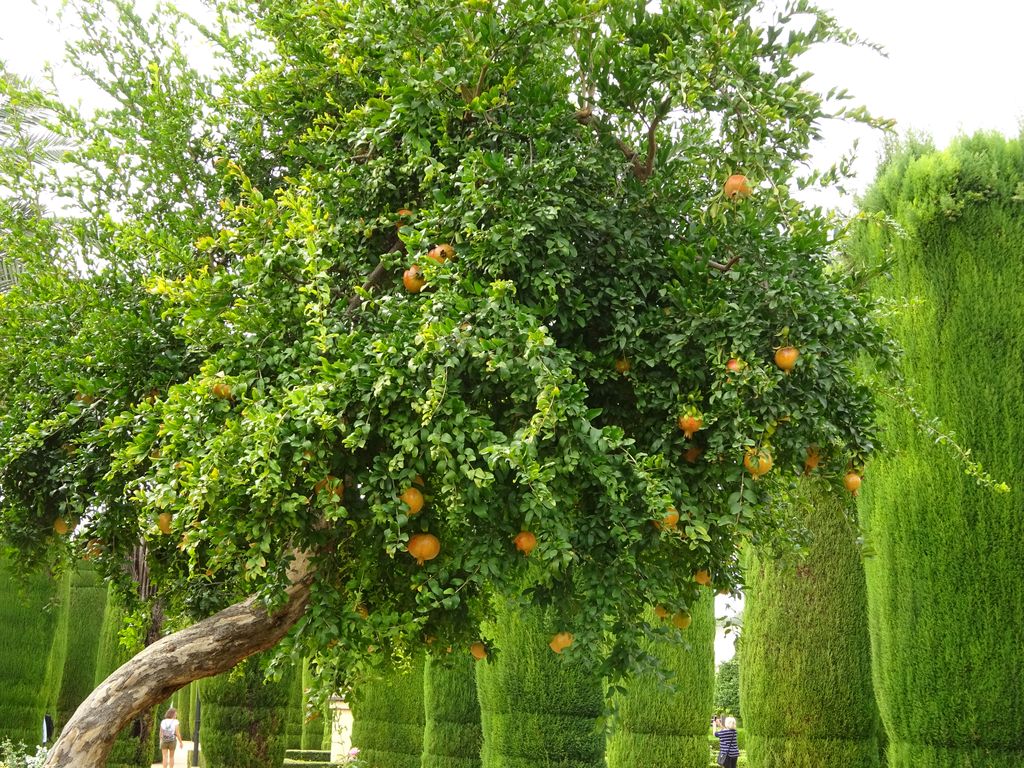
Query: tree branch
x=642 y=167
x=375 y=278
x=209 y=647
x=724 y=267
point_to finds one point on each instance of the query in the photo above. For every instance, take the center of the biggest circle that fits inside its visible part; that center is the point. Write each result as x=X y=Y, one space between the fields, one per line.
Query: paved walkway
x=180 y=755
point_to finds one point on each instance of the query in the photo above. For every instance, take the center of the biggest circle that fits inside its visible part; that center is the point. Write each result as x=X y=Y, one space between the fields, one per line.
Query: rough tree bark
x=206 y=648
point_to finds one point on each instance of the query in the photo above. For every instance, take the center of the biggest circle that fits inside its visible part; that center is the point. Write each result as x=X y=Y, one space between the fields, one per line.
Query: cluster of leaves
x=243 y=357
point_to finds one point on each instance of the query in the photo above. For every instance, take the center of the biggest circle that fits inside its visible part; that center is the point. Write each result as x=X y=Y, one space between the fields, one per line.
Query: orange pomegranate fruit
x=478 y=650
x=441 y=253
x=525 y=541
x=332 y=485
x=412 y=497
x=423 y=547
x=561 y=641
x=222 y=390
x=852 y=482
x=703 y=577
x=812 y=460
x=669 y=520
x=682 y=619
x=661 y=611
x=691 y=423
x=413 y=279
x=734 y=365
x=163 y=522
x=786 y=357
x=622 y=365
x=737 y=187
x=61 y=527
x=757 y=462
x=693 y=454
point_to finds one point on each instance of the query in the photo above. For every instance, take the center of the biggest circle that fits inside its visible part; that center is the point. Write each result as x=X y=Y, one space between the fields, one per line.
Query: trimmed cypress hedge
x=295 y=714
x=312 y=719
x=33 y=643
x=387 y=719
x=86 y=605
x=451 y=735
x=537 y=709
x=243 y=717
x=663 y=723
x=805 y=682
x=945 y=590
x=133 y=748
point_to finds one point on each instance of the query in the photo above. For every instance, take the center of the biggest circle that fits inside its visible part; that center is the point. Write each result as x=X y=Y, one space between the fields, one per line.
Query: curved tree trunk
x=206 y=648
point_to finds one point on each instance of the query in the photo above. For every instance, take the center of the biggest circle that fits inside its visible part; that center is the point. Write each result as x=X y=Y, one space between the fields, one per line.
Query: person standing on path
x=728 y=746
x=170 y=737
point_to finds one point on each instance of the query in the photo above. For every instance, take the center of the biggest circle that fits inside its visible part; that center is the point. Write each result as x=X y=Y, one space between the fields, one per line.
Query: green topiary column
x=243 y=718
x=451 y=736
x=295 y=714
x=805 y=683
x=663 y=723
x=387 y=724
x=312 y=719
x=33 y=642
x=945 y=590
x=537 y=709
x=86 y=606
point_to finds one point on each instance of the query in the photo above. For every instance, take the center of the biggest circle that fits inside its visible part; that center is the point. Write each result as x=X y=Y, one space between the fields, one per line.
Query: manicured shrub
x=243 y=717
x=294 y=715
x=663 y=722
x=452 y=736
x=805 y=682
x=387 y=717
x=727 y=686
x=86 y=603
x=538 y=709
x=33 y=643
x=312 y=719
x=945 y=592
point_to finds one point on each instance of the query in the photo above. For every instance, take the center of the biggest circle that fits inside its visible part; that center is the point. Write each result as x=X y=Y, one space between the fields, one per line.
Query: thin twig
x=375 y=278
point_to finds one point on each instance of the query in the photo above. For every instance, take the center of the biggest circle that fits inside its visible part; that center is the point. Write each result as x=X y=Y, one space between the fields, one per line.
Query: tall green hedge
x=243 y=717
x=663 y=723
x=87 y=602
x=33 y=643
x=451 y=735
x=538 y=709
x=295 y=715
x=945 y=590
x=313 y=720
x=727 y=687
x=805 y=683
x=133 y=747
x=387 y=719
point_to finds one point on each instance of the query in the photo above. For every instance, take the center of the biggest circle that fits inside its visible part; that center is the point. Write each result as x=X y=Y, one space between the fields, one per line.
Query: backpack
x=167 y=730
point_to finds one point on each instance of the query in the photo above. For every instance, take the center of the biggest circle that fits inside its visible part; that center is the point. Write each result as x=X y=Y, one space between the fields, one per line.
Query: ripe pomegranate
x=413 y=280
x=690 y=423
x=737 y=187
x=734 y=365
x=693 y=454
x=363 y=611
x=661 y=611
x=622 y=365
x=60 y=526
x=852 y=482
x=222 y=390
x=413 y=499
x=479 y=650
x=332 y=485
x=812 y=460
x=682 y=619
x=561 y=641
x=424 y=546
x=757 y=462
x=703 y=577
x=163 y=522
x=525 y=541
x=669 y=520
x=441 y=253
x=785 y=358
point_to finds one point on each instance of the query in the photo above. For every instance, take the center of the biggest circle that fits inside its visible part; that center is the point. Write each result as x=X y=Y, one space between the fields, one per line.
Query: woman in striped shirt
x=728 y=748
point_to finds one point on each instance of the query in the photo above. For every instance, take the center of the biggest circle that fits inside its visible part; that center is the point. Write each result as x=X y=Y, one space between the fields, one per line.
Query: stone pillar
x=341 y=729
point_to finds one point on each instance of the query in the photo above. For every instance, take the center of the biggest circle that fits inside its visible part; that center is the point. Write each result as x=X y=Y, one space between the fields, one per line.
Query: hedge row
x=663 y=723
x=805 y=681
x=86 y=603
x=945 y=591
x=388 y=719
x=451 y=736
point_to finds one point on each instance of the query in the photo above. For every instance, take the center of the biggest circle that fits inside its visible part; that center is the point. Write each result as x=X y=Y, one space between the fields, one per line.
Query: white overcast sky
x=952 y=67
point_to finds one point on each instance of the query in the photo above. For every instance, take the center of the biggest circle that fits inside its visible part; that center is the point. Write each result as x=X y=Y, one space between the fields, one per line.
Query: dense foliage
x=945 y=595
x=727 y=687
x=243 y=717
x=388 y=717
x=214 y=339
x=537 y=708
x=805 y=682
x=451 y=734
x=33 y=644
x=661 y=721
x=86 y=603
